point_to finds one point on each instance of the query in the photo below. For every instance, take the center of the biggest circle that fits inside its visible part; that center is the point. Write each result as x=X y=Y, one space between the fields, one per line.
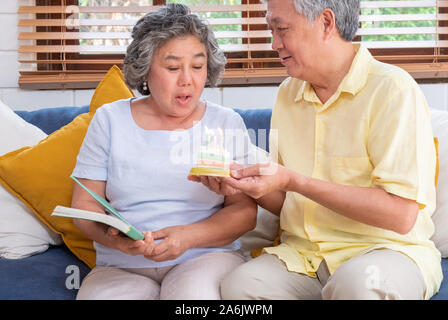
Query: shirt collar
x=353 y=81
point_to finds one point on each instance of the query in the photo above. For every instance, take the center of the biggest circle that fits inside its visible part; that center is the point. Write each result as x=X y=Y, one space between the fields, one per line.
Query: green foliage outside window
x=396 y=24
x=209 y=15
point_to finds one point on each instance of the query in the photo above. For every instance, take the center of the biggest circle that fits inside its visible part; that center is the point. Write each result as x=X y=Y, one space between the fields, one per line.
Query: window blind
x=66 y=45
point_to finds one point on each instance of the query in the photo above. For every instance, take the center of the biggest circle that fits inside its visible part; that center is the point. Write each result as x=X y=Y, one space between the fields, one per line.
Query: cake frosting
x=213 y=159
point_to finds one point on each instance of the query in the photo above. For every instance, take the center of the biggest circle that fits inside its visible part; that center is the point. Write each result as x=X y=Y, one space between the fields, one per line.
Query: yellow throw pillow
x=40 y=175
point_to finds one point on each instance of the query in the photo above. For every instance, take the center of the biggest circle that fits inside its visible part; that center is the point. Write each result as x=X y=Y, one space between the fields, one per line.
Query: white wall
x=18 y=99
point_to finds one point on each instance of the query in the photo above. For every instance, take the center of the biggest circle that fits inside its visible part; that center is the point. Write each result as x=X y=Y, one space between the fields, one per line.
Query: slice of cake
x=213 y=159
x=212 y=162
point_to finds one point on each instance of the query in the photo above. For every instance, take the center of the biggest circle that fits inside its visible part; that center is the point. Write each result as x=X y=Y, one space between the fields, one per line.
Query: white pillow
x=263 y=235
x=439 y=120
x=21 y=233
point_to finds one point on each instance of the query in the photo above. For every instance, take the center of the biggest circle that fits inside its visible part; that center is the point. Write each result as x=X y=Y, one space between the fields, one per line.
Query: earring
x=145 y=86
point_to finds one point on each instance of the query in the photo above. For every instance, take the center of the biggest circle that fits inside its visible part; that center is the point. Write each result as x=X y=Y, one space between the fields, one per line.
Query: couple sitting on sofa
x=347 y=178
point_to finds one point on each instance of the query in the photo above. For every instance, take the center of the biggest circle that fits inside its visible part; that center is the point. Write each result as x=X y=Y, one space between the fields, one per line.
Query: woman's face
x=178 y=75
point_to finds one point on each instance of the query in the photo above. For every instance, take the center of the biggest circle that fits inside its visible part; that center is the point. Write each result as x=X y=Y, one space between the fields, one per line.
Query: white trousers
x=379 y=274
x=195 y=279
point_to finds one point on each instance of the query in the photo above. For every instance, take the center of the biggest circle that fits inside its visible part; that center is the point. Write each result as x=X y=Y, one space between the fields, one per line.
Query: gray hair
x=346 y=14
x=158 y=27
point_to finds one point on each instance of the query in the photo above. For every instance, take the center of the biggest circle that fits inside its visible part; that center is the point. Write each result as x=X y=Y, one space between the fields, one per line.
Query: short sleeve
x=93 y=157
x=401 y=146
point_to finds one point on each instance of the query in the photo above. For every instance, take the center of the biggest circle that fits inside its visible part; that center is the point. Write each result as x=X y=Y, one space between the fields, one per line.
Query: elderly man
x=355 y=180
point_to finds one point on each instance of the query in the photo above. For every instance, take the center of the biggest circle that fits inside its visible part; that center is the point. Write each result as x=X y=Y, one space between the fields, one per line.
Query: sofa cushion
x=53 y=275
x=439 y=120
x=443 y=291
x=51 y=119
x=21 y=233
x=258 y=123
x=40 y=175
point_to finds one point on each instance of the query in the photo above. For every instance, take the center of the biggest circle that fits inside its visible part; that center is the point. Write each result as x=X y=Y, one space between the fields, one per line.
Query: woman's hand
x=174 y=243
x=129 y=246
x=259 y=180
x=214 y=183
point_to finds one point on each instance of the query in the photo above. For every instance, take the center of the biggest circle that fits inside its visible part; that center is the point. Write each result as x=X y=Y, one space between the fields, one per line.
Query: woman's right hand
x=215 y=184
x=129 y=246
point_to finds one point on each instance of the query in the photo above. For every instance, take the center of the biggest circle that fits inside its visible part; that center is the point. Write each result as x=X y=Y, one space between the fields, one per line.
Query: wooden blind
x=64 y=45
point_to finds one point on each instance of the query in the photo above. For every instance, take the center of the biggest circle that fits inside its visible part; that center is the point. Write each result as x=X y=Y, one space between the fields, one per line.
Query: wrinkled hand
x=260 y=179
x=215 y=183
x=173 y=245
x=129 y=246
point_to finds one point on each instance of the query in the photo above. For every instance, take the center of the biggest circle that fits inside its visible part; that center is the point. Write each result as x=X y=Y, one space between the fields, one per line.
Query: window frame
x=268 y=79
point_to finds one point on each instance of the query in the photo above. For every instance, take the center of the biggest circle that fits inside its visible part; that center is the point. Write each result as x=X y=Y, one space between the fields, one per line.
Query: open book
x=113 y=218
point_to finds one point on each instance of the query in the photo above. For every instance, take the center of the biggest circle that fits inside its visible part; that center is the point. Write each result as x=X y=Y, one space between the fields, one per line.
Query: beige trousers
x=379 y=274
x=195 y=279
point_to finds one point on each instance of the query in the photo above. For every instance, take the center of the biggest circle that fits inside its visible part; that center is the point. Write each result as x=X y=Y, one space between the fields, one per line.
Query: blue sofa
x=45 y=275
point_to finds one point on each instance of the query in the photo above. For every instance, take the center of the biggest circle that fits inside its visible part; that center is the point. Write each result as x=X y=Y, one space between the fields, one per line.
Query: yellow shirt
x=375 y=131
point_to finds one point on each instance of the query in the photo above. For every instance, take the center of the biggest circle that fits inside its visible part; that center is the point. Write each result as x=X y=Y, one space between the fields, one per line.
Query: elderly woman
x=131 y=156
x=354 y=185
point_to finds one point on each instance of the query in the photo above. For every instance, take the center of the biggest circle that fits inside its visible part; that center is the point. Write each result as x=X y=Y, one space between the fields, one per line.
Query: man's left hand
x=260 y=179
